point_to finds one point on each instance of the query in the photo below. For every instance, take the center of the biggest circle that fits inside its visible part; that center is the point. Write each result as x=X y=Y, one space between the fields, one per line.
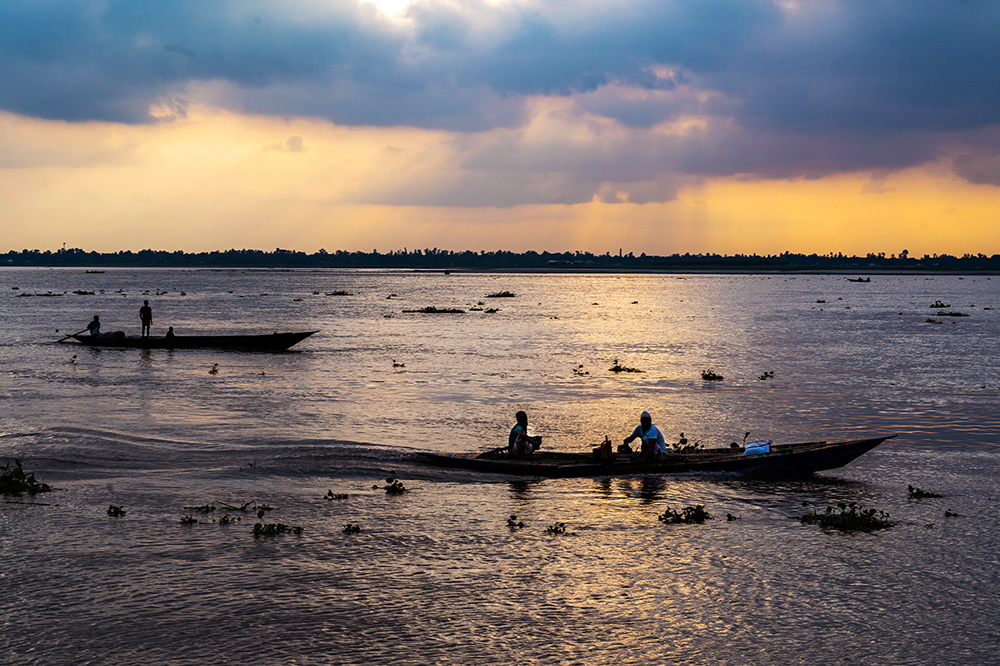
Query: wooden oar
x=71 y=335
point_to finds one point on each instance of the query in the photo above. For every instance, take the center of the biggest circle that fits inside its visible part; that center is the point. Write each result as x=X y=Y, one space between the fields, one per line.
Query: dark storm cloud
x=793 y=88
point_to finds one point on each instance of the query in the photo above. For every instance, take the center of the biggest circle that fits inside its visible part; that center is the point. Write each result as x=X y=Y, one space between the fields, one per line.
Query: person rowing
x=519 y=443
x=654 y=447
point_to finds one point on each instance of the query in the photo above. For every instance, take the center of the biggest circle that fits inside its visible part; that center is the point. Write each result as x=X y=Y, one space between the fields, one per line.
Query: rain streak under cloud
x=521 y=108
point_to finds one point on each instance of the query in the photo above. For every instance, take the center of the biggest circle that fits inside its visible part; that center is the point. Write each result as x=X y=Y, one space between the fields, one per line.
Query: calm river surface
x=435 y=575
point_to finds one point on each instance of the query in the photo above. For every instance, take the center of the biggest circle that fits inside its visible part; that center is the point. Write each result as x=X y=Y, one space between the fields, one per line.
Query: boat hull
x=267 y=342
x=782 y=461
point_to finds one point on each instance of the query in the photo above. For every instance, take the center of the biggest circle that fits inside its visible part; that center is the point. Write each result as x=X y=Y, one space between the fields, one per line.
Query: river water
x=435 y=575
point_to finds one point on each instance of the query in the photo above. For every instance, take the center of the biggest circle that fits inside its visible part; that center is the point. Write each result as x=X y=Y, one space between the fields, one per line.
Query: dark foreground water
x=435 y=575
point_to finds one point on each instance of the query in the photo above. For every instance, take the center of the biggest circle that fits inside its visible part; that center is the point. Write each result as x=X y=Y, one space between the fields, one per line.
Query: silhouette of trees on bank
x=446 y=259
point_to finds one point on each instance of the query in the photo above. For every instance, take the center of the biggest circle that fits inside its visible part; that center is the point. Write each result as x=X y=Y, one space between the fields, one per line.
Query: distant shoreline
x=435 y=260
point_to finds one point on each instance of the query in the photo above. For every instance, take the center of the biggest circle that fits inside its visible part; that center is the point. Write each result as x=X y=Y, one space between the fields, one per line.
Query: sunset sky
x=656 y=126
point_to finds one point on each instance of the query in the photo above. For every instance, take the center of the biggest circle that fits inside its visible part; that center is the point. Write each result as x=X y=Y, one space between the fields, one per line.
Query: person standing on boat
x=146 y=317
x=654 y=447
x=519 y=443
x=95 y=326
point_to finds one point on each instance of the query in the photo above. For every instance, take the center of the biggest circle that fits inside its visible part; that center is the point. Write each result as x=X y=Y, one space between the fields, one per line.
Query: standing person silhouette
x=146 y=317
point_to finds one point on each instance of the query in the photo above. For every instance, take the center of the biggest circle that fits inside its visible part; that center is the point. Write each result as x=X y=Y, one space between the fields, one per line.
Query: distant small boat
x=266 y=342
x=95 y=271
x=859 y=279
x=782 y=460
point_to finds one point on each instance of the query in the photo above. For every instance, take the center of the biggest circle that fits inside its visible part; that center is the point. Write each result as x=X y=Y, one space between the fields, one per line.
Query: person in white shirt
x=654 y=447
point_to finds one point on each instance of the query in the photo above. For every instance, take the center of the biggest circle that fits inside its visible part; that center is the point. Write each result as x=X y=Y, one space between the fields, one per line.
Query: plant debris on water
x=556 y=528
x=711 y=376
x=943 y=313
x=940 y=305
x=330 y=495
x=502 y=294
x=14 y=481
x=116 y=511
x=430 y=309
x=268 y=529
x=917 y=493
x=393 y=486
x=689 y=515
x=513 y=523
x=768 y=374
x=351 y=528
x=622 y=368
x=852 y=518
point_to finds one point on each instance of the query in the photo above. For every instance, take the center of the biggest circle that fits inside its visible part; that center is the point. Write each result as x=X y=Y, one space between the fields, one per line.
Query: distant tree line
x=445 y=259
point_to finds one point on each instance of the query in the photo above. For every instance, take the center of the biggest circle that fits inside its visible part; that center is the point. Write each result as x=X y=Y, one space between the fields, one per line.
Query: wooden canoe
x=782 y=460
x=266 y=342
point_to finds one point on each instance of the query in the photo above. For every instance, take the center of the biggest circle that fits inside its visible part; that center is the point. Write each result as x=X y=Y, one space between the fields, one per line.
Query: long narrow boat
x=781 y=460
x=266 y=342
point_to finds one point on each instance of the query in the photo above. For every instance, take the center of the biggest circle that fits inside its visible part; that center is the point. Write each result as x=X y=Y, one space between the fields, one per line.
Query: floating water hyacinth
x=688 y=515
x=622 y=368
x=917 y=493
x=14 y=481
x=556 y=528
x=852 y=518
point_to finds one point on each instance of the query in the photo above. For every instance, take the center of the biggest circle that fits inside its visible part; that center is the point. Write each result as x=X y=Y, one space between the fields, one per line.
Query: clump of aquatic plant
x=738 y=447
x=820 y=300
x=852 y=518
x=491 y=311
x=917 y=493
x=730 y=517
x=339 y=292
x=204 y=508
x=617 y=367
x=933 y=321
x=393 y=486
x=80 y=292
x=556 y=528
x=269 y=529
x=579 y=371
x=689 y=515
x=943 y=313
x=711 y=376
x=948 y=513
x=14 y=481
x=502 y=294
x=398 y=365
x=513 y=523
x=214 y=370
x=226 y=519
x=116 y=511
x=390 y=296
x=189 y=520
x=940 y=305
x=430 y=309
x=682 y=445
x=768 y=374
x=330 y=495
x=351 y=528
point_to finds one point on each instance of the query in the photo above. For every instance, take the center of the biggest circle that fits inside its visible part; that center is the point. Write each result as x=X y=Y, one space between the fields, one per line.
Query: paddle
x=71 y=335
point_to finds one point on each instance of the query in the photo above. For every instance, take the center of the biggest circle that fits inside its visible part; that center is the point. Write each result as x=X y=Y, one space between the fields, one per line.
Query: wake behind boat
x=780 y=460
x=266 y=342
